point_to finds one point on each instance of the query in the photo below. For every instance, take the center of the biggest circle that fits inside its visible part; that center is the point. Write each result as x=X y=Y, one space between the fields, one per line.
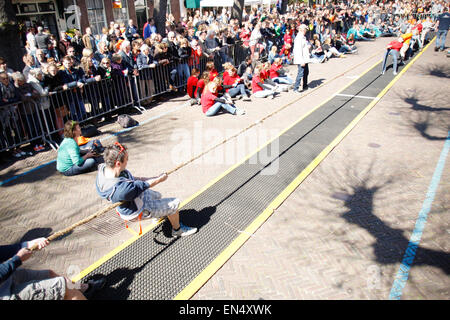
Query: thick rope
x=115 y=205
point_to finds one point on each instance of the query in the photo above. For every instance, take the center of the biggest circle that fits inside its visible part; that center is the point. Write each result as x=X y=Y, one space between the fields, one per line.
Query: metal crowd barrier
x=21 y=123
x=44 y=118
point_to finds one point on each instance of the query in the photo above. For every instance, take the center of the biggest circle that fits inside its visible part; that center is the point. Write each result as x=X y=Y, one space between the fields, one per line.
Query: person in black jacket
x=185 y=53
x=164 y=60
x=23 y=284
x=129 y=64
x=74 y=80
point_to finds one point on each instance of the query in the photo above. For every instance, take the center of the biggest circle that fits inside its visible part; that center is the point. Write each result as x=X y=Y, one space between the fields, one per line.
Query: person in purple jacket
x=116 y=184
x=23 y=284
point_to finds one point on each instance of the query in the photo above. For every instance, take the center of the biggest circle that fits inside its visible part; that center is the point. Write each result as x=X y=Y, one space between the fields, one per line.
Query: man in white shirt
x=301 y=58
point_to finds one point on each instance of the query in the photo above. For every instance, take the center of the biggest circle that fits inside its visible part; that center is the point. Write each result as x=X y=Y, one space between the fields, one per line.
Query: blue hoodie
x=122 y=188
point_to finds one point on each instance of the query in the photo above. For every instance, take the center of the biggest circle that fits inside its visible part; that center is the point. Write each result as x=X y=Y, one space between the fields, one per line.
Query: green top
x=68 y=155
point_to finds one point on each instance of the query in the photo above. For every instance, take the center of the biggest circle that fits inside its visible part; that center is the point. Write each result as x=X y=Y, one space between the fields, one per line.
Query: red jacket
x=200 y=87
x=255 y=86
x=191 y=83
x=273 y=73
x=230 y=80
x=395 y=45
x=207 y=100
x=213 y=74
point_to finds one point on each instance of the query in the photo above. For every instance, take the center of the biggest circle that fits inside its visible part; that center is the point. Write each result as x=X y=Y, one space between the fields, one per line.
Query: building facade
x=61 y=15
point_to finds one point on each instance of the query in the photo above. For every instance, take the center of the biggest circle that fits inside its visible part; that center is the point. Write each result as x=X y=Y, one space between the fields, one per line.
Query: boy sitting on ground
x=117 y=184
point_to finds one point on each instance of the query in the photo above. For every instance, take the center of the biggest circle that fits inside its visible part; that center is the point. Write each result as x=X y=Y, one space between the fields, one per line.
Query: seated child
x=234 y=85
x=191 y=85
x=212 y=104
x=116 y=184
x=259 y=89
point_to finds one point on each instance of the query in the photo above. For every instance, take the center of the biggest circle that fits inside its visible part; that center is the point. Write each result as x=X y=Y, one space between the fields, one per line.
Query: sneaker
x=94 y=286
x=240 y=112
x=296 y=91
x=436 y=49
x=246 y=98
x=16 y=154
x=183 y=231
x=382 y=72
x=394 y=73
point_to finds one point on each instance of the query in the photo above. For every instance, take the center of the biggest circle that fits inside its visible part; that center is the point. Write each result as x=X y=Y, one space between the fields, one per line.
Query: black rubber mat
x=158 y=267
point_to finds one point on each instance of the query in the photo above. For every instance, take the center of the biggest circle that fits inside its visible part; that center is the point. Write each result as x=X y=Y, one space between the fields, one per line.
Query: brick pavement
x=320 y=254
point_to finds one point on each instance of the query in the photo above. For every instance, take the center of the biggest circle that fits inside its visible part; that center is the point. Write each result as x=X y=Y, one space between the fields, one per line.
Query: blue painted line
x=105 y=138
x=26 y=172
x=403 y=272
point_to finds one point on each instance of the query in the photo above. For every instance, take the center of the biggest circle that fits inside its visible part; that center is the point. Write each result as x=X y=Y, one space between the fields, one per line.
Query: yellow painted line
x=112 y=253
x=217 y=263
x=135 y=237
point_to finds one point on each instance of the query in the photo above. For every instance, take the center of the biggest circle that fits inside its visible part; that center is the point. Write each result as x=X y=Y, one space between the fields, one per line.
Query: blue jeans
x=219 y=105
x=87 y=166
x=77 y=109
x=283 y=80
x=395 y=55
x=440 y=38
x=302 y=73
x=239 y=89
x=183 y=71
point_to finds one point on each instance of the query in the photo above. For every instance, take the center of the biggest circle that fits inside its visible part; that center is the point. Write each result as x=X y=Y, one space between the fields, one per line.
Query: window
x=121 y=14
x=96 y=15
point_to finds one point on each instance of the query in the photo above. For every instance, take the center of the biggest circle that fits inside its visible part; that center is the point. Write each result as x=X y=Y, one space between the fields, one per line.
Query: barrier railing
x=22 y=123
x=45 y=117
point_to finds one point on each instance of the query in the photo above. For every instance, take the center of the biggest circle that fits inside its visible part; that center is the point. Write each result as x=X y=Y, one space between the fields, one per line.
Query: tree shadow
x=441 y=70
x=425 y=113
x=358 y=187
x=391 y=243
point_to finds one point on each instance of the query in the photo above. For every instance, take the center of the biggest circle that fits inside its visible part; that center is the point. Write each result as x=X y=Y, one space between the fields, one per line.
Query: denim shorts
x=153 y=205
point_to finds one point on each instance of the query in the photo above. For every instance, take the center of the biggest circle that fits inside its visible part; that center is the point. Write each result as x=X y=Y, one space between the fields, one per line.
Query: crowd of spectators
x=73 y=61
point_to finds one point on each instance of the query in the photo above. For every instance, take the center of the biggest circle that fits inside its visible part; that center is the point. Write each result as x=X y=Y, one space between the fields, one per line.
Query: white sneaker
x=183 y=231
x=240 y=112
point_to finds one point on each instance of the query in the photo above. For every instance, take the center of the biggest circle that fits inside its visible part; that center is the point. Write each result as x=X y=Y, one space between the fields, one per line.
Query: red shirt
x=207 y=100
x=200 y=87
x=230 y=80
x=286 y=51
x=255 y=86
x=213 y=74
x=264 y=74
x=395 y=45
x=287 y=38
x=191 y=83
x=225 y=76
x=273 y=73
x=419 y=27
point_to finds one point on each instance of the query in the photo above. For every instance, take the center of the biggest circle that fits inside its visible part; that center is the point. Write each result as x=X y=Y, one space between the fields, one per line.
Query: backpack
x=126 y=121
x=89 y=131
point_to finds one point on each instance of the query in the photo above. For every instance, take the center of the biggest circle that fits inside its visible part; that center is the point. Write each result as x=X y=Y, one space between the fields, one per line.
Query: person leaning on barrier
x=18 y=283
x=145 y=61
x=28 y=109
x=73 y=79
x=8 y=112
x=69 y=160
x=116 y=184
x=36 y=79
